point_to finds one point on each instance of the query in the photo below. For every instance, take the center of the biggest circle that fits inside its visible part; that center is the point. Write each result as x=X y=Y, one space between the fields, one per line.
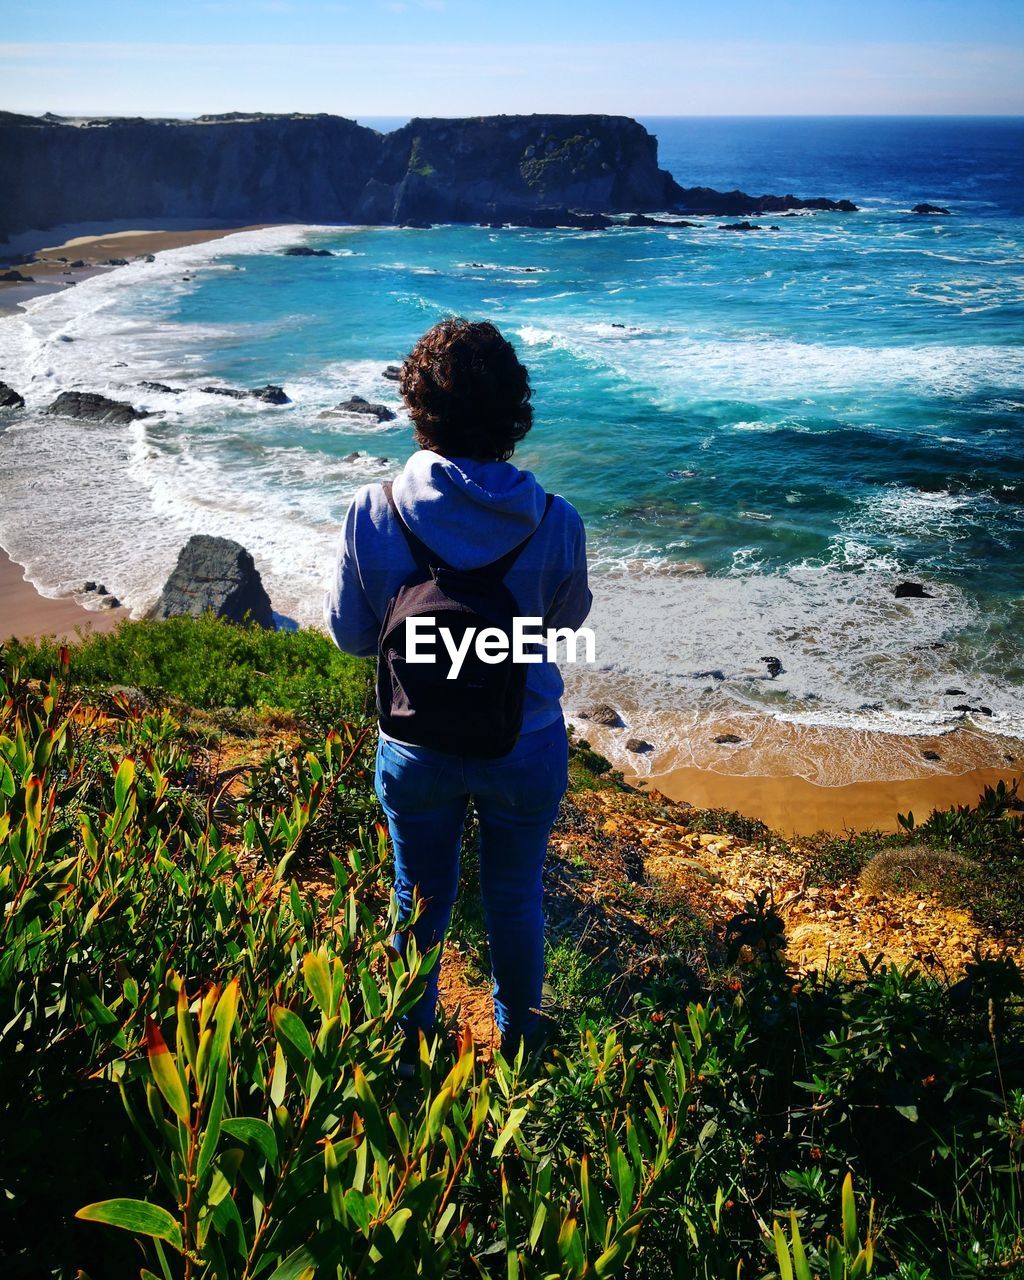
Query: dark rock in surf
x=911 y=591
x=215 y=575
x=644 y=220
x=740 y=226
x=774 y=666
x=932 y=209
x=116 y=262
x=87 y=406
x=78 y=263
x=160 y=386
x=361 y=408
x=931 y=755
x=270 y=394
x=601 y=713
x=9 y=398
x=16 y=277
x=233 y=392
x=728 y=739
x=304 y=251
x=639 y=746
x=393 y=372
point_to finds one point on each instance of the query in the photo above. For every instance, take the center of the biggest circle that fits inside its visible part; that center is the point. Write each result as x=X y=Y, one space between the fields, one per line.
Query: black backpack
x=480 y=712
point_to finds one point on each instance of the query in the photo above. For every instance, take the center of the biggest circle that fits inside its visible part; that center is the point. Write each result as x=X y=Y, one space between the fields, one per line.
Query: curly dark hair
x=467 y=393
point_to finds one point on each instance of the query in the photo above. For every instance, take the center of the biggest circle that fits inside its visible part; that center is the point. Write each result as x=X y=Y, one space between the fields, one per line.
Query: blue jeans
x=424 y=794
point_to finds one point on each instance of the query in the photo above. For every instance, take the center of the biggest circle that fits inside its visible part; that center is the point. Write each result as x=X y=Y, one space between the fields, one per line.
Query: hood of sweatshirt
x=469 y=512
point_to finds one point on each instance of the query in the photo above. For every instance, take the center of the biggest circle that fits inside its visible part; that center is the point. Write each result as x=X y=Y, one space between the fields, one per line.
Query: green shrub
x=197 y=1059
x=208 y=663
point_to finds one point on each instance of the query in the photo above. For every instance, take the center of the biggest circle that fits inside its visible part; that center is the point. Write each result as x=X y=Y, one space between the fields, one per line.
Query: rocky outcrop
x=215 y=575
x=9 y=398
x=270 y=394
x=360 y=408
x=16 y=277
x=911 y=591
x=736 y=203
x=932 y=209
x=304 y=251
x=536 y=170
x=90 y=407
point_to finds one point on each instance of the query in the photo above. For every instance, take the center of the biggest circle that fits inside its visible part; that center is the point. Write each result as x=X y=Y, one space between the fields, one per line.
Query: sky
x=371 y=58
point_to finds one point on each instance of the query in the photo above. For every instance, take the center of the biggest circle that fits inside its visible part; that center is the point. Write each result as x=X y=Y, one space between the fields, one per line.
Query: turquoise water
x=764 y=431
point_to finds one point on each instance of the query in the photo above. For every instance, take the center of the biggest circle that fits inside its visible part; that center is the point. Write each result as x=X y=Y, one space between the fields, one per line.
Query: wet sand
x=26 y=615
x=794 y=806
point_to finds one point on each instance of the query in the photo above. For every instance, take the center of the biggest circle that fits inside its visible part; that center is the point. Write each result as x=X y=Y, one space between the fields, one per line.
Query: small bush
x=209 y=663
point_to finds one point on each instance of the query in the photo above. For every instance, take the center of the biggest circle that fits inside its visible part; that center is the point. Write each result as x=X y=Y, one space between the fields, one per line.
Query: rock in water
x=90 y=407
x=215 y=575
x=602 y=713
x=393 y=373
x=270 y=394
x=639 y=745
x=930 y=208
x=304 y=251
x=361 y=407
x=911 y=590
x=9 y=398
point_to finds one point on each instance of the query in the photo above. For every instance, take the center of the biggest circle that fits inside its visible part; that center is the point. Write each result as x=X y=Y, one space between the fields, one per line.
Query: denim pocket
x=402 y=782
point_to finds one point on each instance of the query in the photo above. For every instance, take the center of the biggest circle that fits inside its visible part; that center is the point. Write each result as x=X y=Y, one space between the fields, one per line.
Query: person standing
x=464 y=527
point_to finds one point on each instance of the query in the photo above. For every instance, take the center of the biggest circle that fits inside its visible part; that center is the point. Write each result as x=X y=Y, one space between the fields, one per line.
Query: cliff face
x=272 y=168
x=498 y=167
x=321 y=168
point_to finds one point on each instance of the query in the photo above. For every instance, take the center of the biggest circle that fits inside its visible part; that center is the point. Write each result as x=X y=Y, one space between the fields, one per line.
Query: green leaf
x=300 y=1265
x=290 y=1028
x=782 y=1253
x=138 y=1216
x=254 y=1132
x=317 y=974
x=850 y=1239
x=123 y=780
x=801 y=1267
x=515 y=1119
x=165 y=1072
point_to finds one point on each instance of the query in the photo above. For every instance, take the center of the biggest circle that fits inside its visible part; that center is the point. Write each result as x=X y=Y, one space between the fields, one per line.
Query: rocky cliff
x=320 y=168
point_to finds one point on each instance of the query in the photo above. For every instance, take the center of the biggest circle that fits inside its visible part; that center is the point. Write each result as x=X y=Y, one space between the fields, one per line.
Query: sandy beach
x=794 y=806
x=26 y=615
x=51 y=269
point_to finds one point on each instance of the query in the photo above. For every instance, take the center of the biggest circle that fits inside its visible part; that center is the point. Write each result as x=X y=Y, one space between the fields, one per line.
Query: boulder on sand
x=215 y=575
x=601 y=713
x=90 y=407
x=9 y=398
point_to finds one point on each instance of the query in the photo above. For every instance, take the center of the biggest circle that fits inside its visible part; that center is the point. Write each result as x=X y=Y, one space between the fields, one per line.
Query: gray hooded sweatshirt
x=469 y=513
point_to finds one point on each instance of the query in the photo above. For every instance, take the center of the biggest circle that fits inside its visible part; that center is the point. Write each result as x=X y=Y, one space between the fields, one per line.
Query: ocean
x=765 y=432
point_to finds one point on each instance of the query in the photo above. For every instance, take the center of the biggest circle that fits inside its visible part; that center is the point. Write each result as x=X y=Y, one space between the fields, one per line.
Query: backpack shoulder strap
x=421 y=553
x=500 y=567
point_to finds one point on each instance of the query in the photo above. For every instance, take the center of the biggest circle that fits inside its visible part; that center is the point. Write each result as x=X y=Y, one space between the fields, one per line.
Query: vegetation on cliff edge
x=199 y=1023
